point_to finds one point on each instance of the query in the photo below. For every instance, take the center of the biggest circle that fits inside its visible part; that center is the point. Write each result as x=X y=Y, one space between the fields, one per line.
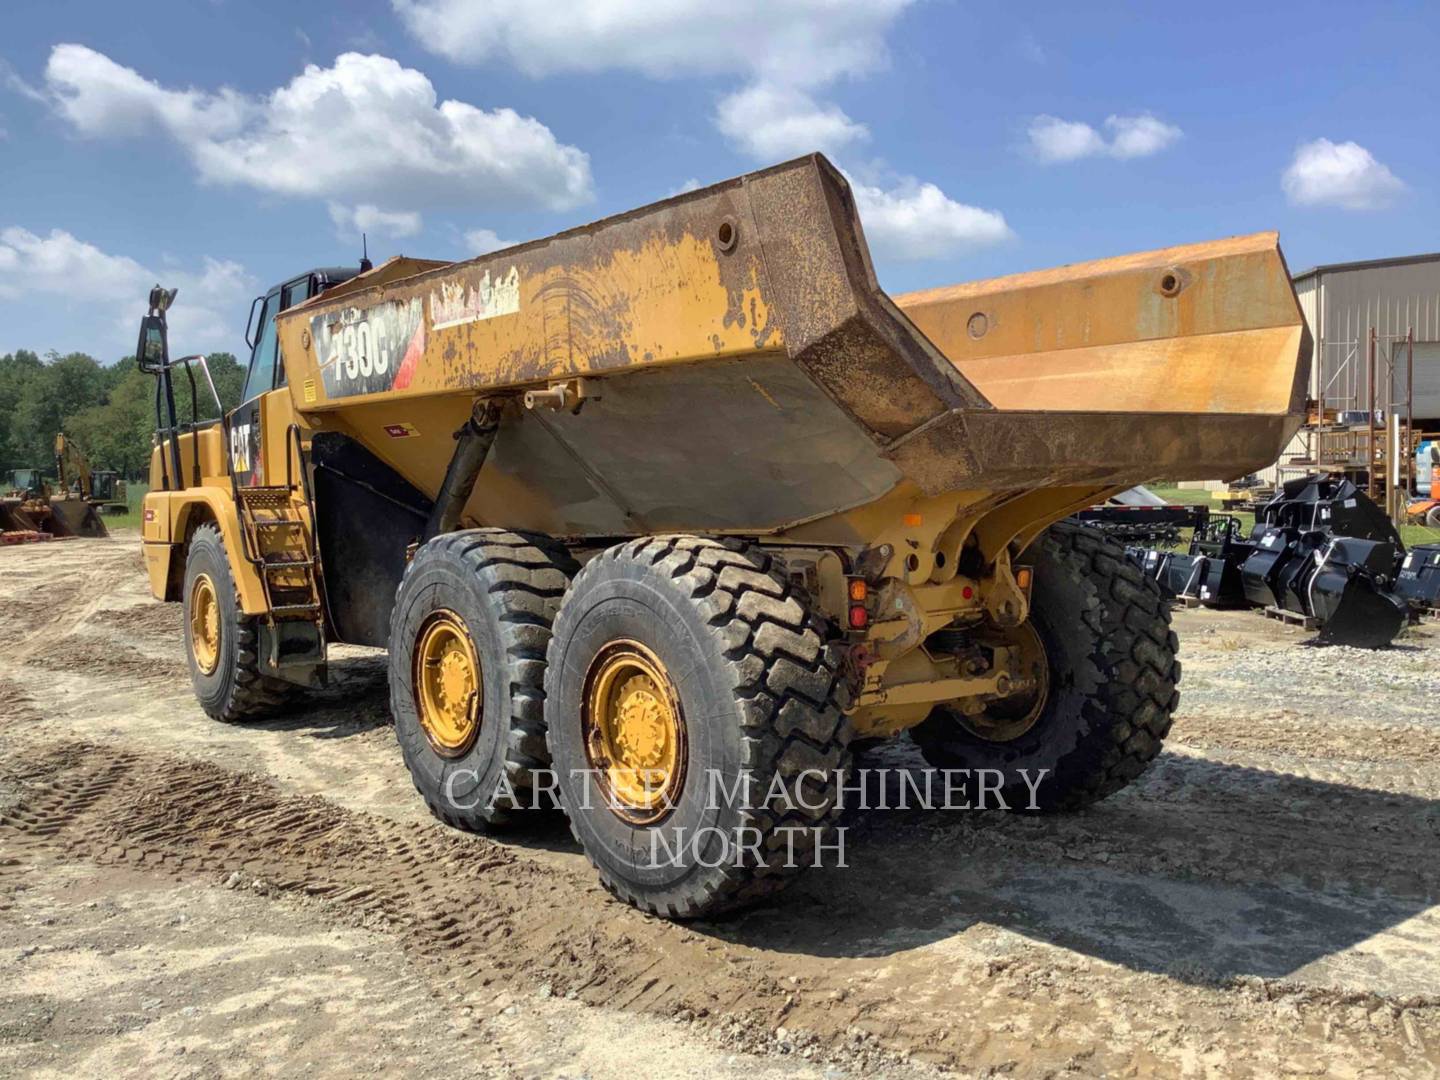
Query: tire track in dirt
x=479 y=918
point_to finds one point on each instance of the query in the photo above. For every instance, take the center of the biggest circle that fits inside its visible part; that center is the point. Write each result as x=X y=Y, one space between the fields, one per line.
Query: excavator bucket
x=49 y=519
x=1364 y=617
x=1354 y=610
x=75 y=517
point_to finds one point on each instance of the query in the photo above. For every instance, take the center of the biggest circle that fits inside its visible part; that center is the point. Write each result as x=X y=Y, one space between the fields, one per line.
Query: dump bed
x=744 y=370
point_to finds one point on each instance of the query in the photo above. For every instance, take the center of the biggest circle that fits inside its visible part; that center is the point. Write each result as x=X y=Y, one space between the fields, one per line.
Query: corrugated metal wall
x=1341 y=307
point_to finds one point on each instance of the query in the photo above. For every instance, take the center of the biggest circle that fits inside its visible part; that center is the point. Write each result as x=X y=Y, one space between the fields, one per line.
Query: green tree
x=61 y=387
x=17 y=370
x=108 y=411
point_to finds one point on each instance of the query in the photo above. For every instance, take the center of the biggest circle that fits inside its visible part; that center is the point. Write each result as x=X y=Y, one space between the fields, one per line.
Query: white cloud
x=365 y=130
x=804 y=42
x=692 y=184
x=368 y=219
x=1055 y=140
x=102 y=98
x=484 y=241
x=1139 y=136
x=770 y=121
x=783 y=51
x=915 y=220
x=111 y=289
x=1345 y=174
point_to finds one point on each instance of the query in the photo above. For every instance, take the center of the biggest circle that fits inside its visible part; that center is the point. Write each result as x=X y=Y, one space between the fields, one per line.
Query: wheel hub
x=634 y=732
x=1008 y=718
x=205 y=625
x=447 y=684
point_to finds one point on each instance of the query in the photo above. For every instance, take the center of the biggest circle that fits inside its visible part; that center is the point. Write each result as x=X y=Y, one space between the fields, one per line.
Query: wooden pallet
x=1305 y=622
x=1190 y=602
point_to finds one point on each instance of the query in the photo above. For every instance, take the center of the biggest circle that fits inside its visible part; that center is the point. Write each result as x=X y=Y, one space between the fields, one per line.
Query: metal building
x=1342 y=302
x=1374 y=314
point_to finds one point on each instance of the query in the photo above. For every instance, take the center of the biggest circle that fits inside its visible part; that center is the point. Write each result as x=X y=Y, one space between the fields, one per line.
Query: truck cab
x=212 y=474
x=266 y=371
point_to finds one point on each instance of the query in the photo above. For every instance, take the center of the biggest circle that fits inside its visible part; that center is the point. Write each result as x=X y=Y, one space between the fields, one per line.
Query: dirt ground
x=182 y=898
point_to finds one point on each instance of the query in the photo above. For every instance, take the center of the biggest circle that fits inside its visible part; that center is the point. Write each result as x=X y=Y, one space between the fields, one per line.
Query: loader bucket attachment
x=75 y=517
x=1362 y=617
x=1345 y=595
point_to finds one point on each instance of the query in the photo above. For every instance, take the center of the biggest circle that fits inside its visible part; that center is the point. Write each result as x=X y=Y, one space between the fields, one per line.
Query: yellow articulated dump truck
x=658 y=517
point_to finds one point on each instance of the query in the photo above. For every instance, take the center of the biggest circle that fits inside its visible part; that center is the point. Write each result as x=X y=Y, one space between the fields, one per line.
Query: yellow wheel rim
x=205 y=625
x=1011 y=717
x=447 y=684
x=634 y=732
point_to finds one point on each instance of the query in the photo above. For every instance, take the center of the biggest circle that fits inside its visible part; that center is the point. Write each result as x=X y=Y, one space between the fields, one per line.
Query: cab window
x=262 y=360
x=297 y=292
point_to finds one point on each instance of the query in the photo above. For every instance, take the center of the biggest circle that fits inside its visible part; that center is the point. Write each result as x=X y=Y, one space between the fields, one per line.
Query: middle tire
x=694 y=720
x=467 y=657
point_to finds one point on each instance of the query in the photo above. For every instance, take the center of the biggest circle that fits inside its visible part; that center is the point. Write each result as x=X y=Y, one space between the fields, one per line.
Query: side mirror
x=152 y=351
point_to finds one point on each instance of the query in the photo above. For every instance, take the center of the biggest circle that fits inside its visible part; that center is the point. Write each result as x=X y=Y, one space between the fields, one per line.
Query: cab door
x=248 y=422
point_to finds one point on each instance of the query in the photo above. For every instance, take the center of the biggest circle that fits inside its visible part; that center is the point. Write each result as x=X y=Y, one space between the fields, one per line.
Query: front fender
x=169 y=520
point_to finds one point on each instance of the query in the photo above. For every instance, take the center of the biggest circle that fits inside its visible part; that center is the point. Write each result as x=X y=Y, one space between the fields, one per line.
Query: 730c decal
x=364 y=351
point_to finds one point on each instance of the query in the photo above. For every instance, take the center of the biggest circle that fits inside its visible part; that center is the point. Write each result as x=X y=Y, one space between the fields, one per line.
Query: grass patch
x=134 y=498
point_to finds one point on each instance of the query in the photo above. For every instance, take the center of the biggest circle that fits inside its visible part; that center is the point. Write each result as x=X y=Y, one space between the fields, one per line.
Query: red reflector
x=859 y=618
x=967 y=593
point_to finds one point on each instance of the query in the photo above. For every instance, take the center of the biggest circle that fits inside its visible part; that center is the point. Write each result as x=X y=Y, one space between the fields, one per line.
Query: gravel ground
x=182 y=898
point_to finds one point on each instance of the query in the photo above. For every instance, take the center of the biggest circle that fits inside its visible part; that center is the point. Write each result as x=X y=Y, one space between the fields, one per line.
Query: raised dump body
x=738 y=334
x=683 y=495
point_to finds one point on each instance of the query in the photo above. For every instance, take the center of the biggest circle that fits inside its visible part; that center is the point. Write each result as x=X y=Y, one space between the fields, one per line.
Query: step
x=285 y=560
x=293 y=609
x=265 y=498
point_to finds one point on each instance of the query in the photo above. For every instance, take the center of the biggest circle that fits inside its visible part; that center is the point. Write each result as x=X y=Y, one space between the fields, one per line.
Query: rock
x=233 y=880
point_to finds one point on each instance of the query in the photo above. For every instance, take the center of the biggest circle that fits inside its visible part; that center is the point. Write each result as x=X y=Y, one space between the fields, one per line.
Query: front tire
x=1111 y=691
x=694 y=720
x=220 y=639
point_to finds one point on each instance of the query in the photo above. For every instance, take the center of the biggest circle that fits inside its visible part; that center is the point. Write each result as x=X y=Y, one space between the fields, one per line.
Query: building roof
x=1368 y=264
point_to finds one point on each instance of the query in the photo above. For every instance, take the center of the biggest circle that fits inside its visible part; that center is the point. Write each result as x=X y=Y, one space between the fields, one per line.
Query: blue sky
x=224 y=145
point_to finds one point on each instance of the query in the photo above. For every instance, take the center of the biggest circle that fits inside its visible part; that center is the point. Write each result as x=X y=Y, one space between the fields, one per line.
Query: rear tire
x=757 y=692
x=500 y=590
x=230 y=688
x=1113 y=673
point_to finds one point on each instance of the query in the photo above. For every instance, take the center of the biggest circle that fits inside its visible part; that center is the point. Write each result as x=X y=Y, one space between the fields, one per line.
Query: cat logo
x=240 y=447
x=401 y=431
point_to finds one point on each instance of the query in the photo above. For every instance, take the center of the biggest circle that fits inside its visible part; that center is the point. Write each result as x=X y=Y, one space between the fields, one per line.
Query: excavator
x=660 y=516
x=101 y=488
x=33 y=510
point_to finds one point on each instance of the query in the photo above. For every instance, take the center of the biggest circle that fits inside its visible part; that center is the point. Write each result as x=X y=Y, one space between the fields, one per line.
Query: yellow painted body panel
x=170 y=516
x=1193 y=329
x=665 y=302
